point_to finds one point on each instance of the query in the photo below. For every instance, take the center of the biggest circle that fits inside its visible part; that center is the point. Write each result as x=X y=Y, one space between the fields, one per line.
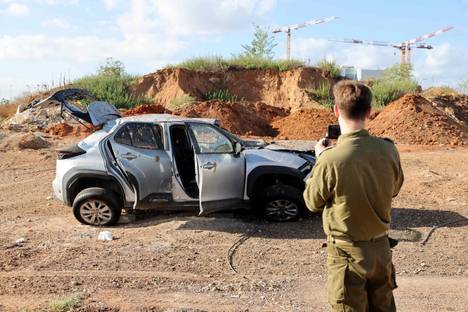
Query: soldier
x=353 y=183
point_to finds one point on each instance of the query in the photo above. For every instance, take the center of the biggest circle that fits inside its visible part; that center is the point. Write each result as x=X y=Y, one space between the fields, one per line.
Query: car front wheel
x=282 y=203
x=96 y=206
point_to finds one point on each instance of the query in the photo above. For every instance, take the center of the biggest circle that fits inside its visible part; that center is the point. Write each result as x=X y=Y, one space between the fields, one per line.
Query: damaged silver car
x=161 y=161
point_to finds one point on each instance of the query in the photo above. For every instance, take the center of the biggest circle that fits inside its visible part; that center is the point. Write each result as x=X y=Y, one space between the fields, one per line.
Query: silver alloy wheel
x=281 y=209
x=95 y=212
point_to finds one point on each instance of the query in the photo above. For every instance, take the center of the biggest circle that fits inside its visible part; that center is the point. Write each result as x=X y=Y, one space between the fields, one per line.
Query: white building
x=361 y=74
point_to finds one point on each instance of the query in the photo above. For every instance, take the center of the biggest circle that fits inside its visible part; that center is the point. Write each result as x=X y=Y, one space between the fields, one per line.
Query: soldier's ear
x=336 y=110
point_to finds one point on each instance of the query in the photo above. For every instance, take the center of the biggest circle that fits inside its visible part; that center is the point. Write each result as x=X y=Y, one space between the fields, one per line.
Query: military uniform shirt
x=354 y=183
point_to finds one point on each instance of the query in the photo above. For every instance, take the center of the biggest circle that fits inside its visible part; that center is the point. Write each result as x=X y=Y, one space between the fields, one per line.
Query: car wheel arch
x=265 y=176
x=82 y=181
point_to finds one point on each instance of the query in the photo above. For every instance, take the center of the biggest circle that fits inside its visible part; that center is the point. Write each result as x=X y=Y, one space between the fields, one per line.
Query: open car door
x=221 y=171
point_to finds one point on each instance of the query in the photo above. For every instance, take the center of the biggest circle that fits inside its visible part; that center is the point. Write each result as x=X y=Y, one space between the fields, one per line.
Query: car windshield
x=244 y=143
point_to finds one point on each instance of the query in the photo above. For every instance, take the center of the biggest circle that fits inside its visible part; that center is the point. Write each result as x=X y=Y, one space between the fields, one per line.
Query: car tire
x=282 y=203
x=97 y=207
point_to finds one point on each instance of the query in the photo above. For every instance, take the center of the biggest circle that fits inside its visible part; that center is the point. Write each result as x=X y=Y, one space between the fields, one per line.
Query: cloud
x=56 y=23
x=313 y=49
x=111 y=4
x=211 y=16
x=445 y=64
x=16 y=9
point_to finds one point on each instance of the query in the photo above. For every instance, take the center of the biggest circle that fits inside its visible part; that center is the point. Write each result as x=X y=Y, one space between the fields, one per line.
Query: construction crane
x=287 y=30
x=404 y=47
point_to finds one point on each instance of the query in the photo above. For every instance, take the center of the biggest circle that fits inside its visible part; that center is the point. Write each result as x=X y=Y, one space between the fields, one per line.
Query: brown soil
x=147 y=109
x=65 y=129
x=413 y=119
x=309 y=124
x=241 y=118
x=177 y=262
x=287 y=89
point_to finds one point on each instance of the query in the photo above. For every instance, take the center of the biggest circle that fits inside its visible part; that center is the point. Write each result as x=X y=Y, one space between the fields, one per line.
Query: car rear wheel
x=282 y=203
x=96 y=206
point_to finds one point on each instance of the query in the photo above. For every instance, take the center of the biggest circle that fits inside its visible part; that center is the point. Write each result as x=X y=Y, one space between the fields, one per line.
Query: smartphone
x=333 y=132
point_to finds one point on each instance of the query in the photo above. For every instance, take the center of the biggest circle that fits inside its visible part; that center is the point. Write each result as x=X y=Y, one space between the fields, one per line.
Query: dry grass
x=7 y=110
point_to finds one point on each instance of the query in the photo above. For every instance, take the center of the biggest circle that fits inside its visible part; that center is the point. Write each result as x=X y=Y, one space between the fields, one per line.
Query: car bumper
x=57 y=189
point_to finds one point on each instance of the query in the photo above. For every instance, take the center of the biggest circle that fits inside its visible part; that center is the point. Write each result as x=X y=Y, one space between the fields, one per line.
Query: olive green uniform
x=354 y=183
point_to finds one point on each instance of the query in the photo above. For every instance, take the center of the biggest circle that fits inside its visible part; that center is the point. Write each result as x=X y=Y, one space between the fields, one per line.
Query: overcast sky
x=43 y=40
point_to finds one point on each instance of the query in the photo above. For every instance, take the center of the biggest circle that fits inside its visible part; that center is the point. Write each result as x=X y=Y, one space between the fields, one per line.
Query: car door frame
x=207 y=207
x=157 y=198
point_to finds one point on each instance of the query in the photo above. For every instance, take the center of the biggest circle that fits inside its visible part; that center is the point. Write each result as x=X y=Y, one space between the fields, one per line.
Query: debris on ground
x=105 y=236
x=306 y=124
x=33 y=141
x=413 y=119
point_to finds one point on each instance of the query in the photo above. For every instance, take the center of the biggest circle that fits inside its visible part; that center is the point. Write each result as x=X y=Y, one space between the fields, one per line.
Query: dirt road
x=178 y=262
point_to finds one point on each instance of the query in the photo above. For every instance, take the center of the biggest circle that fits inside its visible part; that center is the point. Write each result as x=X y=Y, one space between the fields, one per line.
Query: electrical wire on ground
x=439 y=226
x=232 y=250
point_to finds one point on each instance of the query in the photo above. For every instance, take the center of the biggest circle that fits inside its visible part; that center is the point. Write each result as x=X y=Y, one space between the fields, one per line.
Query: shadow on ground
x=404 y=220
x=238 y=222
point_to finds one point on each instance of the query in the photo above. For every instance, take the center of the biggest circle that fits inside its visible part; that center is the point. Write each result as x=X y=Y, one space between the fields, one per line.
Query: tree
x=398 y=72
x=261 y=46
x=114 y=68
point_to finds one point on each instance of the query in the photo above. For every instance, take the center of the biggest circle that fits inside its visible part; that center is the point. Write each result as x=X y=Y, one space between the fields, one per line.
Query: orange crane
x=404 y=47
x=287 y=30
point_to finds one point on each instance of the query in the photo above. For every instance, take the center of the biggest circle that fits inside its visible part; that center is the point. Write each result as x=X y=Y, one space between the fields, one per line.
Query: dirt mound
x=243 y=118
x=65 y=129
x=307 y=124
x=414 y=119
x=288 y=89
x=33 y=141
x=147 y=109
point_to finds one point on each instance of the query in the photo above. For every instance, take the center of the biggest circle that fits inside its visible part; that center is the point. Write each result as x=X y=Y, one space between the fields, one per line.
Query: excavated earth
x=286 y=89
x=413 y=119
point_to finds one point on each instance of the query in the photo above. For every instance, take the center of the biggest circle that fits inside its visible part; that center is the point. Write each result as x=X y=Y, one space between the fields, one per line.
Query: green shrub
x=204 y=63
x=218 y=63
x=111 y=84
x=329 y=66
x=322 y=94
x=181 y=101
x=113 y=89
x=396 y=82
x=66 y=303
x=220 y=94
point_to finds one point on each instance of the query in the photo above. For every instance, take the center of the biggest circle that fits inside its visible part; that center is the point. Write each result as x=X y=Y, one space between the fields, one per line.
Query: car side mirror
x=237 y=148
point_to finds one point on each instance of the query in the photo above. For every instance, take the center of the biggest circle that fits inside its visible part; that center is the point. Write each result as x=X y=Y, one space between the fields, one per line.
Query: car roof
x=165 y=118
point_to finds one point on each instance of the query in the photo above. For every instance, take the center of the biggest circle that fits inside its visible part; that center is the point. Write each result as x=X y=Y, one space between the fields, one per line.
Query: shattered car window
x=140 y=136
x=210 y=140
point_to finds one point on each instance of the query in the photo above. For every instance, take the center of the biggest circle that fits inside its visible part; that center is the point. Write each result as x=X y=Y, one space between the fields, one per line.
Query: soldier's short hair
x=353 y=99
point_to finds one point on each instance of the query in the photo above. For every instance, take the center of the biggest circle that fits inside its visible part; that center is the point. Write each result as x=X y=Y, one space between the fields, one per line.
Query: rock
x=105 y=236
x=20 y=241
x=33 y=141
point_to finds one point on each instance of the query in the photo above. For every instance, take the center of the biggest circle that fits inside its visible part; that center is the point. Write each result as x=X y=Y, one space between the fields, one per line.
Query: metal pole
x=288 y=44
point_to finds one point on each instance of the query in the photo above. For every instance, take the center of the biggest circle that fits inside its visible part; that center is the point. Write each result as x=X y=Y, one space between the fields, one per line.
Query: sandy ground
x=178 y=262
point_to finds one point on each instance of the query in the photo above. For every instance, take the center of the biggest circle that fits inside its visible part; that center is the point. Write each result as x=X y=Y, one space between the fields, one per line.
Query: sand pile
x=414 y=119
x=243 y=118
x=307 y=124
x=64 y=129
x=147 y=109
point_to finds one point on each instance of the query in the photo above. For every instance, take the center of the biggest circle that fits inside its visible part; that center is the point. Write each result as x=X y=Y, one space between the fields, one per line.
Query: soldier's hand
x=322 y=144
